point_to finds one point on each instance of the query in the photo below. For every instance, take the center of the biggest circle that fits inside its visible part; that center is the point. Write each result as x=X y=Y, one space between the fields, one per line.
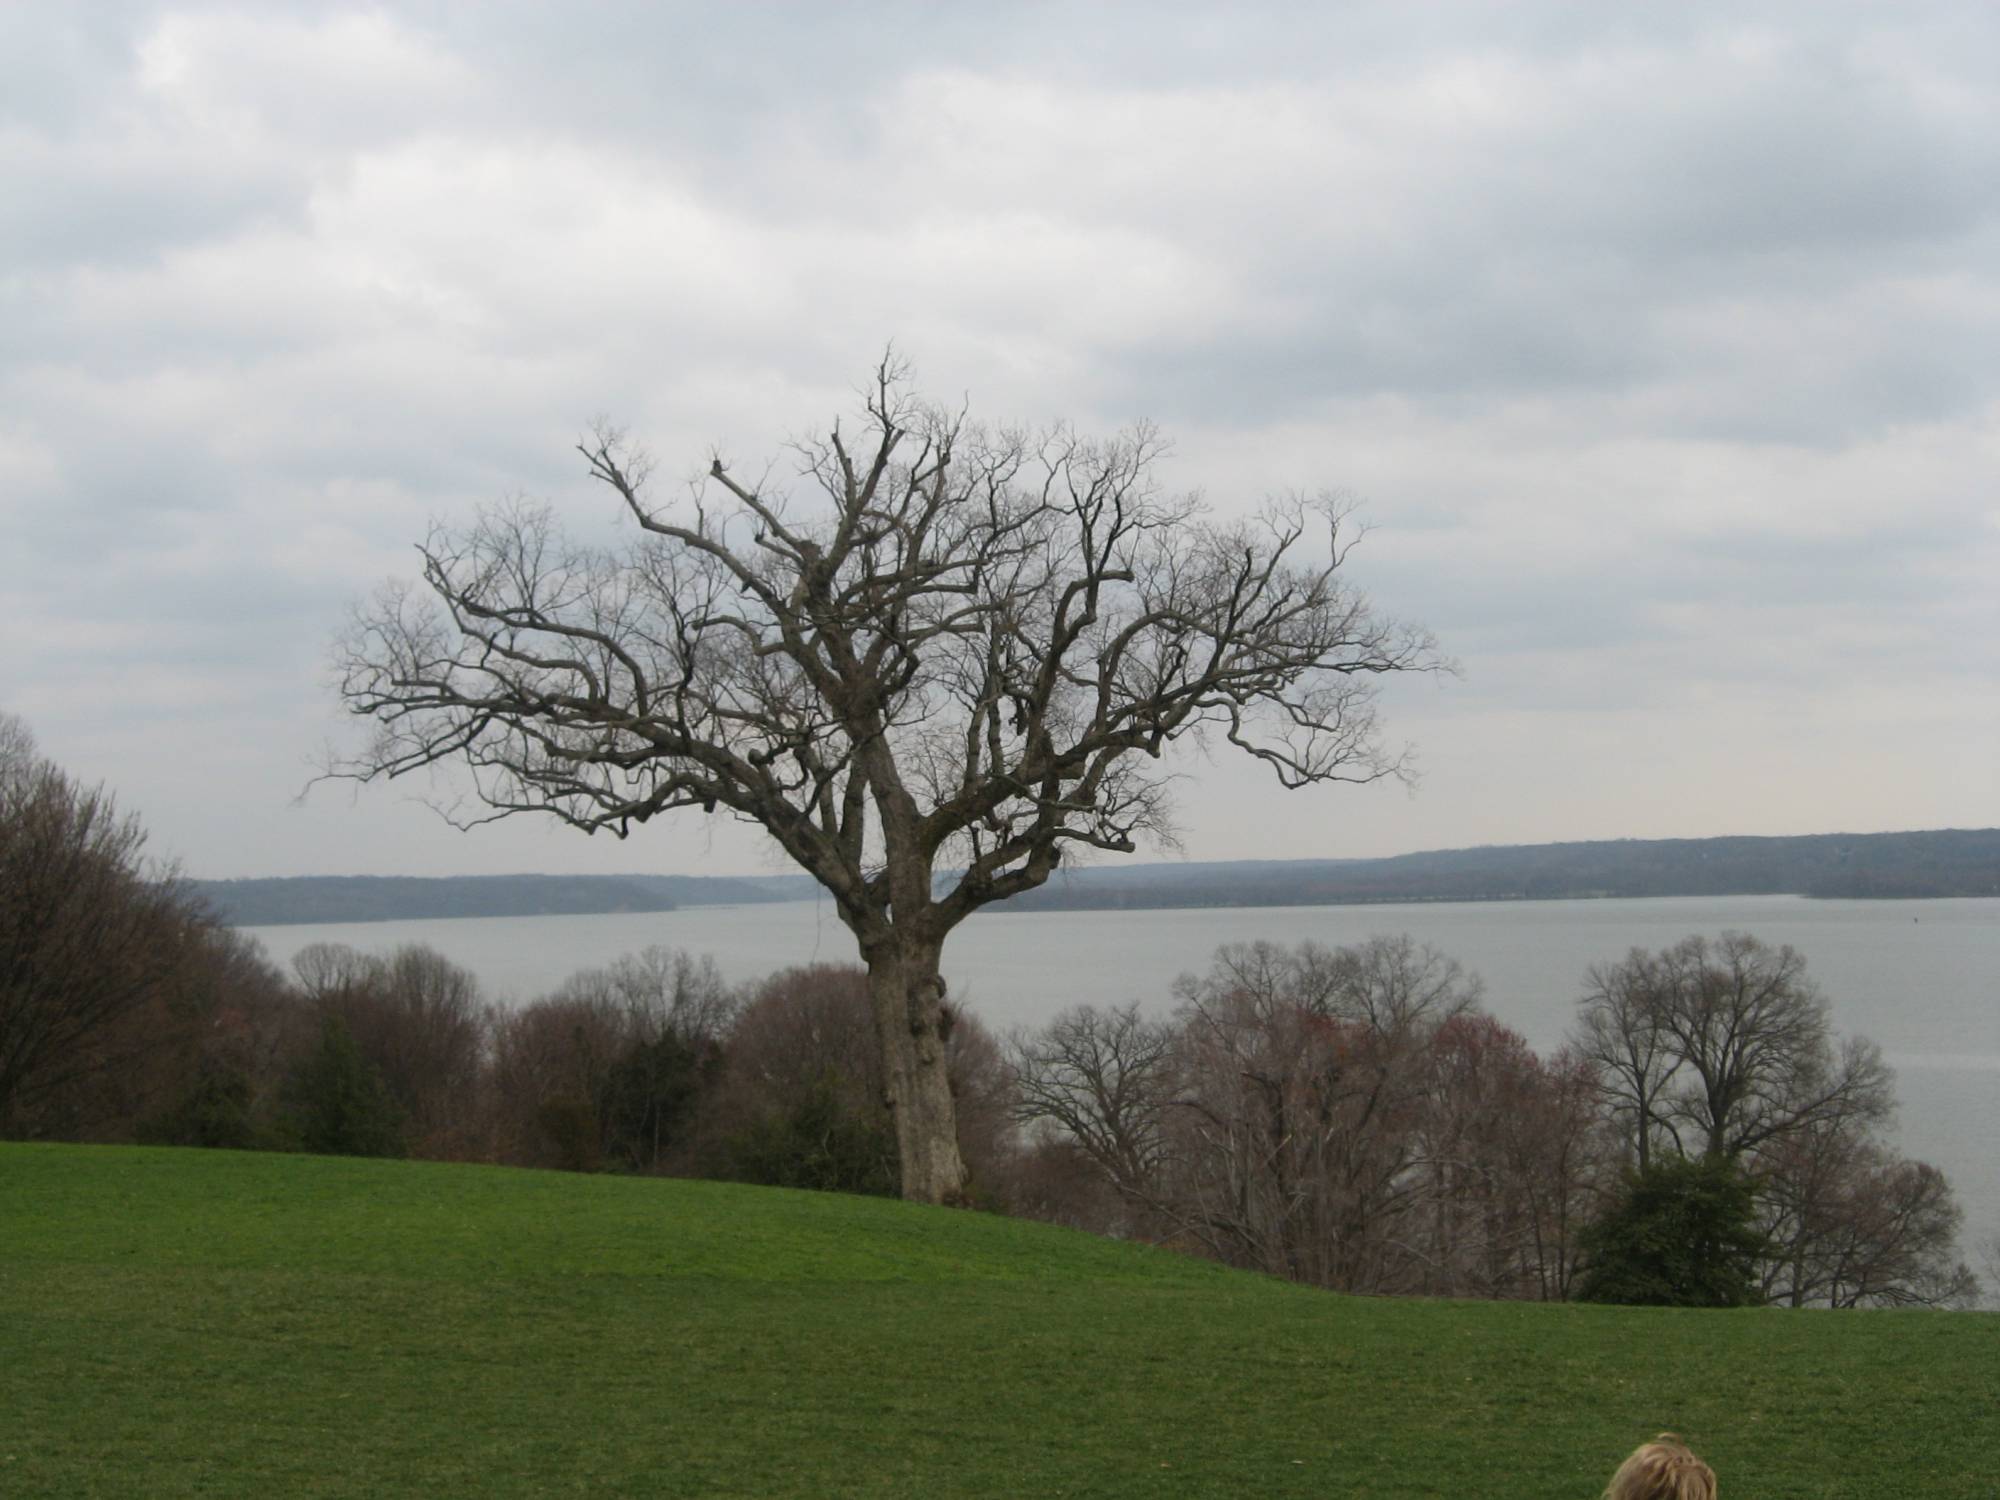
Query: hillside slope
x=389 y=898
x=179 y=1323
x=1933 y=863
x=1938 y=862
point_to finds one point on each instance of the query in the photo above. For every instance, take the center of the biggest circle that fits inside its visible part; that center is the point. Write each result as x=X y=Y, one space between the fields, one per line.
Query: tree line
x=1353 y=1118
x=1347 y=1117
x=130 y=1012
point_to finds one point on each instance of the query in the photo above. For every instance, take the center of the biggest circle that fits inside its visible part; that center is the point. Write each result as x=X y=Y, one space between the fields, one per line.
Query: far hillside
x=388 y=898
x=1943 y=862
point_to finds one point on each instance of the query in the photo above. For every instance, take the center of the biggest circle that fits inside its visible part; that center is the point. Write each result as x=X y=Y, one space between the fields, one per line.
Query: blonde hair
x=1663 y=1469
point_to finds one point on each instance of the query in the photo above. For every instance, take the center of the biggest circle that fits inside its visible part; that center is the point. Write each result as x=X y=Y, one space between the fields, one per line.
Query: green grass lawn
x=208 y=1323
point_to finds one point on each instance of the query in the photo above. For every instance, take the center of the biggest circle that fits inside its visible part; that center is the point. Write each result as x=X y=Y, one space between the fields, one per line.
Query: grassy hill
x=183 y=1323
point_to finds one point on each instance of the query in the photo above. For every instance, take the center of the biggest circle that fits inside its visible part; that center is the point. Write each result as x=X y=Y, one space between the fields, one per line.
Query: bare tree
x=1562 y=1152
x=1342 y=1116
x=419 y=1019
x=982 y=1094
x=1294 y=1140
x=954 y=656
x=666 y=992
x=1621 y=1035
x=552 y=1060
x=801 y=1101
x=1721 y=1047
x=1852 y=1224
x=1754 y=1034
x=17 y=747
x=1515 y=1160
x=1103 y=1078
x=1989 y=1265
x=90 y=932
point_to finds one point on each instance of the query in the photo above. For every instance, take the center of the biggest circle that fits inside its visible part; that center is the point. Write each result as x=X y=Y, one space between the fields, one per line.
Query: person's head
x=1663 y=1469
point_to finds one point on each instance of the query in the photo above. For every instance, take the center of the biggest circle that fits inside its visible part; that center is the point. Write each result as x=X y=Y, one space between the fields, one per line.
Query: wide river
x=1922 y=978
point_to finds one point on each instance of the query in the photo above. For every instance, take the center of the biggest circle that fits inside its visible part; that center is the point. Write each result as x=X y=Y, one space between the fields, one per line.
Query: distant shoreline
x=1923 y=865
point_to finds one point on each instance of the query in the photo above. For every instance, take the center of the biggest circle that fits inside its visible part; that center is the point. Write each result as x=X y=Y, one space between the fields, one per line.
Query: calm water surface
x=1922 y=978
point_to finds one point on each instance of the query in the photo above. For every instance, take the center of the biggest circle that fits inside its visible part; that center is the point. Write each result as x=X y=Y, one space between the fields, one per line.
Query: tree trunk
x=908 y=993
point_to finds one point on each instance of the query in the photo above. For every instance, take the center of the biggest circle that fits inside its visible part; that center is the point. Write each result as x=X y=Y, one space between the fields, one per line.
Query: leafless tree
x=955 y=655
x=1342 y=1116
x=1621 y=1033
x=1052 y=1179
x=1852 y=1224
x=665 y=1014
x=804 y=1024
x=119 y=993
x=982 y=1093
x=1757 y=1043
x=666 y=992
x=803 y=1070
x=1293 y=1136
x=1898 y=1241
x=245 y=1022
x=1723 y=1046
x=1564 y=1157
x=1103 y=1078
x=419 y=1019
x=205 y=1041
x=17 y=747
x=1515 y=1160
x=550 y=1064
x=90 y=932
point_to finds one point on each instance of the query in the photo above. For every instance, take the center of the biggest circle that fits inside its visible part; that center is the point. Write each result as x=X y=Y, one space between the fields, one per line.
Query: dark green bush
x=216 y=1110
x=339 y=1104
x=648 y=1098
x=821 y=1142
x=1682 y=1234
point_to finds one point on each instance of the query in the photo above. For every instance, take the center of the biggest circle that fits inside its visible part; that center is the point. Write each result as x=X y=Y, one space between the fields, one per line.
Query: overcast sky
x=1662 y=344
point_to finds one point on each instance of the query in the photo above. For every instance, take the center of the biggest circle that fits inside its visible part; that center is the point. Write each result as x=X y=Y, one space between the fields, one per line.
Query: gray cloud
x=1662 y=341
